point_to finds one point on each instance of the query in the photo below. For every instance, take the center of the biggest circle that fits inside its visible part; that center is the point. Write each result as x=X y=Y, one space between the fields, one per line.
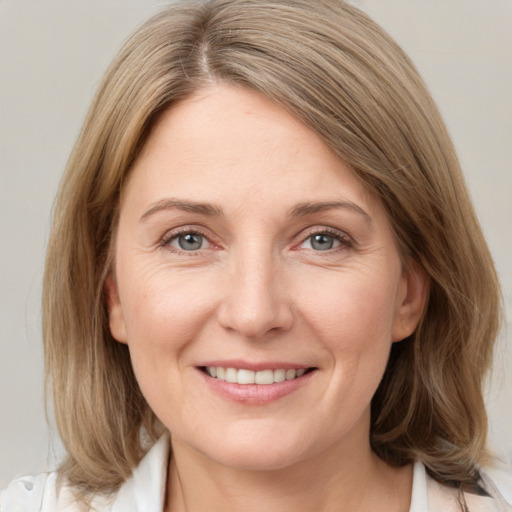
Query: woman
x=266 y=286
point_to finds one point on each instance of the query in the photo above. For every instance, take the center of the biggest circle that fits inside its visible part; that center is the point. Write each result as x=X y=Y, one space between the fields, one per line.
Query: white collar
x=419 y=498
x=145 y=490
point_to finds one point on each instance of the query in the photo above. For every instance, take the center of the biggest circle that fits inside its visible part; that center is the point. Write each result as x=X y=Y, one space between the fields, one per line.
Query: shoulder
x=47 y=492
x=494 y=494
x=43 y=492
x=497 y=481
x=25 y=493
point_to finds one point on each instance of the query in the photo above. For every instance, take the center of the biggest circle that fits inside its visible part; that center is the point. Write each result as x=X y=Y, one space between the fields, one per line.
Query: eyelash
x=345 y=241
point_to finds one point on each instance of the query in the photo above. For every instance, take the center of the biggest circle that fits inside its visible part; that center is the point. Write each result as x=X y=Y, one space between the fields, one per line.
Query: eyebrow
x=303 y=209
x=208 y=209
x=212 y=210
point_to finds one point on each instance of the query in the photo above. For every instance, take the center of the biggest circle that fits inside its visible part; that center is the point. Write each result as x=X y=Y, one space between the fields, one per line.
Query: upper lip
x=253 y=365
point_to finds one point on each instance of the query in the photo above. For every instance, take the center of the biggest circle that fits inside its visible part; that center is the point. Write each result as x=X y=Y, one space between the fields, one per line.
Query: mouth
x=247 y=377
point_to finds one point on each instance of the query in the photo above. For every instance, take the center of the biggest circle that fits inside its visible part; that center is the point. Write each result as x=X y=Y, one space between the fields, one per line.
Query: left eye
x=321 y=242
x=189 y=242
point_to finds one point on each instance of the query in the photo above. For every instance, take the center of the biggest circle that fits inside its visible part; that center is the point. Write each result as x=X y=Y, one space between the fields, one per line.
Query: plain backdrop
x=52 y=55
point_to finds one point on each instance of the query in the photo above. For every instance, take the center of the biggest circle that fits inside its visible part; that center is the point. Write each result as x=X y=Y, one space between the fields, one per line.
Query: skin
x=258 y=290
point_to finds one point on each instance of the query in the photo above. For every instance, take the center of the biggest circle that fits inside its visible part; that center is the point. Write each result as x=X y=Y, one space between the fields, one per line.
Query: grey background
x=52 y=55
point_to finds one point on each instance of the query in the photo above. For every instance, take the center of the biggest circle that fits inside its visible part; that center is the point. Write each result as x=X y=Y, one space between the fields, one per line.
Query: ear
x=115 y=311
x=411 y=301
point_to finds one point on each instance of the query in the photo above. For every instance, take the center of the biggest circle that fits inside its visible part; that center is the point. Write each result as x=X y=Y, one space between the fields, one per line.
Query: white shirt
x=144 y=491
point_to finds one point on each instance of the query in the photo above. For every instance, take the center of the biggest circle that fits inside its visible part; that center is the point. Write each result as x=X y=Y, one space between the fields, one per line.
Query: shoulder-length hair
x=338 y=72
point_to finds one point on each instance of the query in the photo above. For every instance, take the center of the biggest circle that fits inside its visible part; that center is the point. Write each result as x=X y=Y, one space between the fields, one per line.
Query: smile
x=243 y=376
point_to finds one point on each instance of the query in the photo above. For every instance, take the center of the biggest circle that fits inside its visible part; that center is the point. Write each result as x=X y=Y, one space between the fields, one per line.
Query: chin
x=255 y=452
x=257 y=459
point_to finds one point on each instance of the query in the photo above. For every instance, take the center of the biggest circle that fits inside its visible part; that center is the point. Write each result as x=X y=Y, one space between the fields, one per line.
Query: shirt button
x=28 y=485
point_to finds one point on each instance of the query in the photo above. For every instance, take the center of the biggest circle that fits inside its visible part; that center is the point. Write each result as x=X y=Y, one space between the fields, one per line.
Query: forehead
x=226 y=142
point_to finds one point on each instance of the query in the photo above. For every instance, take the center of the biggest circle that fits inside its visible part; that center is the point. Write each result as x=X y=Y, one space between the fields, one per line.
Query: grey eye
x=322 y=242
x=189 y=241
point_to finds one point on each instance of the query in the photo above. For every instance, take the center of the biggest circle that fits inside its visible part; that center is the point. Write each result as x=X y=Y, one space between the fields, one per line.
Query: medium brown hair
x=334 y=69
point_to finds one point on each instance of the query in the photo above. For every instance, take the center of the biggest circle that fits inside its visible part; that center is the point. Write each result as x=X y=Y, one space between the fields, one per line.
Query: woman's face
x=257 y=285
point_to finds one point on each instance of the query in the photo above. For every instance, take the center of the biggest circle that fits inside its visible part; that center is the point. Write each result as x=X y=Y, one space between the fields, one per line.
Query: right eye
x=188 y=241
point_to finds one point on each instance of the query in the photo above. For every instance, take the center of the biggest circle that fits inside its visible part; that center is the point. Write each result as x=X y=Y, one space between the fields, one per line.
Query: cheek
x=351 y=310
x=352 y=316
x=164 y=312
x=164 y=301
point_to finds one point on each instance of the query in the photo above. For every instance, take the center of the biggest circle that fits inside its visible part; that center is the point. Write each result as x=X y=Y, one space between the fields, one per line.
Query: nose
x=256 y=303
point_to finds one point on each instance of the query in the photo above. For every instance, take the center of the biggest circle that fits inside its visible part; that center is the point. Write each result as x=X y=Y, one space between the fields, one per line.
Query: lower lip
x=255 y=394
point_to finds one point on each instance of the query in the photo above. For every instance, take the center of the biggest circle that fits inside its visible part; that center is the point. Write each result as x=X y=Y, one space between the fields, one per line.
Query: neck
x=350 y=480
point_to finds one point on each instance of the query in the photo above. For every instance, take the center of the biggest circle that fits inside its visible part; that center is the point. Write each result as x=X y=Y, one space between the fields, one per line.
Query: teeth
x=231 y=375
x=290 y=374
x=264 y=377
x=243 y=376
x=246 y=377
x=279 y=375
